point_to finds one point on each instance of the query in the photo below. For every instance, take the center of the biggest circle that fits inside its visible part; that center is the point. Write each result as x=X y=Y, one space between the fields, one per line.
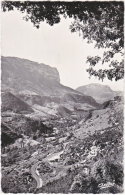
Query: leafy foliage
x=100 y=23
x=106 y=32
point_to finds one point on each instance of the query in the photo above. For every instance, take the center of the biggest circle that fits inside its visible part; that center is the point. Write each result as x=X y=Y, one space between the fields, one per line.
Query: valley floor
x=64 y=155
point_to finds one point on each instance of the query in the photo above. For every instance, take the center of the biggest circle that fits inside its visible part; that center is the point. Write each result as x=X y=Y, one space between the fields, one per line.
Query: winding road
x=36 y=175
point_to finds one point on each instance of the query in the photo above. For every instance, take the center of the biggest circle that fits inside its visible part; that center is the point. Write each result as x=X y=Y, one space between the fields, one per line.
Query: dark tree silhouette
x=100 y=23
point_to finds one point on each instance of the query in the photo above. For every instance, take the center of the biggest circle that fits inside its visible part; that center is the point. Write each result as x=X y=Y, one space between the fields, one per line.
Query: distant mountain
x=12 y=103
x=100 y=93
x=27 y=77
x=35 y=83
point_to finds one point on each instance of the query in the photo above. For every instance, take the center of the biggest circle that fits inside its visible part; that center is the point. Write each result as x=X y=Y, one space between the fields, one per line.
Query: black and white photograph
x=62 y=97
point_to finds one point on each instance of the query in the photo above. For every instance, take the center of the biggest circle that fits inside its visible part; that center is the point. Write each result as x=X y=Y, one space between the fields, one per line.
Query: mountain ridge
x=30 y=81
x=22 y=74
x=12 y=103
x=100 y=93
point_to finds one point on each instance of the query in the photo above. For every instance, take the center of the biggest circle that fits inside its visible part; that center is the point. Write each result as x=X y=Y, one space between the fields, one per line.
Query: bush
x=104 y=170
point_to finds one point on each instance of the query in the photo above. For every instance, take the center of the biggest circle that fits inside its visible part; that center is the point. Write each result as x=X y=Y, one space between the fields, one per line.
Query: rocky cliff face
x=37 y=84
x=24 y=66
x=21 y=75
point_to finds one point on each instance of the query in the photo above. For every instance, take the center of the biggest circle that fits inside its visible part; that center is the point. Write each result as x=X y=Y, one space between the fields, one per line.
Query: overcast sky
x=55 y=46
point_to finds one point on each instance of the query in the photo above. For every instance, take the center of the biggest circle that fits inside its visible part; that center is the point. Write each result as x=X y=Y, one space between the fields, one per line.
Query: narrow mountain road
x=36 y=175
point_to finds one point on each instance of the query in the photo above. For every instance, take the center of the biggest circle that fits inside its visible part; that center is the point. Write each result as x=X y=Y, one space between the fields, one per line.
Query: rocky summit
x=100 y=93
x=56 y=139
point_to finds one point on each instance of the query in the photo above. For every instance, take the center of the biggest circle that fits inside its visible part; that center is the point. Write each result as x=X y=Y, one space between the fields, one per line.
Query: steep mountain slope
x=20 y=75
x=79 y=98
x=33 y=99
x=25 y=125
x=111 y=115
x=7 y=135
x=12 y=103
x=39 y=84
x=100 y=93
